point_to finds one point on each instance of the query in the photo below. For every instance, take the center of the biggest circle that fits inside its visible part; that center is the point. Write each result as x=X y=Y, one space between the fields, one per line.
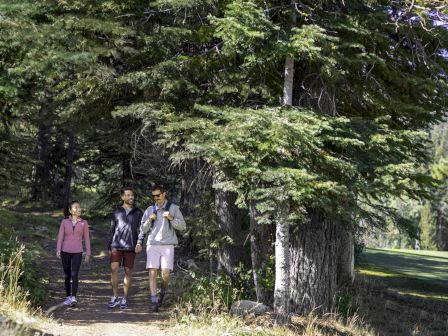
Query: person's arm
x=138 y=246
x=113 y=225
x=145 y=225
x=60 y=239
x=178 y=221
x=87 y=239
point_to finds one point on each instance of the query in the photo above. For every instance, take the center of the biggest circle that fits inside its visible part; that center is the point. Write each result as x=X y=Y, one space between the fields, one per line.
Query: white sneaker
x=68 y=301
x=74 y=302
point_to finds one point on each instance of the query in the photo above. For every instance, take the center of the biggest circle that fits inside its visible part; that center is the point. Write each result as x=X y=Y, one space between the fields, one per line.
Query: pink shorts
x=160 y=256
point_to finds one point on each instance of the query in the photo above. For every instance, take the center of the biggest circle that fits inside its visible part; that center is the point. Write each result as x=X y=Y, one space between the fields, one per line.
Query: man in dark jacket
x=124 y=230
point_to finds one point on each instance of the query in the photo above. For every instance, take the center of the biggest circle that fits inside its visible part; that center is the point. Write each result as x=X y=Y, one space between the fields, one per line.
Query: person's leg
x=114 y=266
x=66 y=265
x=153 y=281
x=165 y=279
x=128 y=262
x=116 y=258
x=167 y=265
x=76 y=264
x=127 y=281
x=153 y=264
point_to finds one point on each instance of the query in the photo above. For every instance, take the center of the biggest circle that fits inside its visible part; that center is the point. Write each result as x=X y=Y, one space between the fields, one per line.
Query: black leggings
x=71 y=262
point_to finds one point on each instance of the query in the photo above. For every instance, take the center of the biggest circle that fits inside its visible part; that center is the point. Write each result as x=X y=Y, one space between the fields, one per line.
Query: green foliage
x=213 y=295
x=433 y=216
x=266 y=275
x=29 y=279
x=316 y=161
x=428 y=228
x=345 y=304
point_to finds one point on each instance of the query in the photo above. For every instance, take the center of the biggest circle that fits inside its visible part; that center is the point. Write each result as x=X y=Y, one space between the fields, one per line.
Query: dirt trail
x=91 y=316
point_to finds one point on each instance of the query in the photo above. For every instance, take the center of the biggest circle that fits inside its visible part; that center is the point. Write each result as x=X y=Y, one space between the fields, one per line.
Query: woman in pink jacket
x=69 y=248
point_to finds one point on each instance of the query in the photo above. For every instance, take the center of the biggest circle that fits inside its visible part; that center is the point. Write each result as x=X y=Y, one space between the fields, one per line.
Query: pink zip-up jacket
x=70 y=239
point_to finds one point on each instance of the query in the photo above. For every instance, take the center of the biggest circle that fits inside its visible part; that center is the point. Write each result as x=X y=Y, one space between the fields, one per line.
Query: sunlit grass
x=377 y=271
x=409 y=272
x=204 y=323
x=14 y=300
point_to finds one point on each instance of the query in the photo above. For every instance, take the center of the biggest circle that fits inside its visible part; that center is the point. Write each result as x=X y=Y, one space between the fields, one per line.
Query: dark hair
x=158 y=187
x=68 y=207
x=124 y=189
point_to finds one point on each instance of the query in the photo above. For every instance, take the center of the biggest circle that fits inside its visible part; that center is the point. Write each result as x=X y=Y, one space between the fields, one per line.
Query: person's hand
x=87 y=258
x=58 y=254
x=167 y=215
x=138 y=248
x=113 y=250
x=153 y=217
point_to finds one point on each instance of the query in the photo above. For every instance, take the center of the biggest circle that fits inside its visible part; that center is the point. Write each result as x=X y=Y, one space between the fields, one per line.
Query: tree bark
x=346 y=258
x=42 y=176
x=69 y=157
x=282 y=281
x=126 y=177
x=230 y=219
x=314 y=266
x=261 y=249
x=282 y=269
x=288 y=82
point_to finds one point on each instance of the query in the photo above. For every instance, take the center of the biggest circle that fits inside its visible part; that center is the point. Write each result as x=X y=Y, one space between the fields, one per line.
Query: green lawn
x=420 y=273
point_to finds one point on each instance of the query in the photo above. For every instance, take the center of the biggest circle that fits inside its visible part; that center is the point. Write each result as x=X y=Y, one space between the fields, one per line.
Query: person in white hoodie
x=160 y=221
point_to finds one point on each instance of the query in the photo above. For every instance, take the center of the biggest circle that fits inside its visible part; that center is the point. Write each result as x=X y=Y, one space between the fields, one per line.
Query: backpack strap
x=167 y=208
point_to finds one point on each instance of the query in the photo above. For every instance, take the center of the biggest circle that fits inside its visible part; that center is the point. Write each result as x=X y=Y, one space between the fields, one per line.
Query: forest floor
x=91 y=316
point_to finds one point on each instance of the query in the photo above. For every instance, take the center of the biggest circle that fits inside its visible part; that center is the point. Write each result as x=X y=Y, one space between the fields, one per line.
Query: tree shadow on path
x=95 y=291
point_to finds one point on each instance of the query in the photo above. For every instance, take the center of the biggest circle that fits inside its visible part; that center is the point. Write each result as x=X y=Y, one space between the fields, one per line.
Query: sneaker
x=113 y=302
x=74 y=302
x=68 y=301
x=154 y=307
x=123 y=304
x=161 y=294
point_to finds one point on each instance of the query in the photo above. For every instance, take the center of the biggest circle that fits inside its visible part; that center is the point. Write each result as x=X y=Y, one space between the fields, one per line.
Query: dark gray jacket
x=124 y=229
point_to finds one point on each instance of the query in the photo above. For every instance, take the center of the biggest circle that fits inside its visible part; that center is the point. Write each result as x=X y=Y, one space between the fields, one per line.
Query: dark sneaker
x=113 y=302
x=123 y=304
x=161 y=294
x=154 y=307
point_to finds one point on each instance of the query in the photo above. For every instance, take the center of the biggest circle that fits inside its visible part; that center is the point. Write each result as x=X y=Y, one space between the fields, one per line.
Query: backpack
x=167 y=208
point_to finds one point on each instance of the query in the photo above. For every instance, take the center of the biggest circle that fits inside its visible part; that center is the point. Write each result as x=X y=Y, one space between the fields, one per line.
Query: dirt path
x=91 y=316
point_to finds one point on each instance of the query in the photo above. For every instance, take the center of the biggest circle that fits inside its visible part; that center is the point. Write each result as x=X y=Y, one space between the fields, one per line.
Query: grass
x=204 y=323
x=417 y=273
x=204 y=309
x=371 y=307
x=14 y=299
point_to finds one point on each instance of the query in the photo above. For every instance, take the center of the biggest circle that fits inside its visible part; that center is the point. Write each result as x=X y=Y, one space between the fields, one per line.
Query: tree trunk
x=126 y=177
x=314 y=266
x=261 y=249
x=42 y=176
x=288 y=81
x=69 y=157
x=346 y=258
x=282 y=269
x=230 y=219
x=282 y=281
x=442 y=231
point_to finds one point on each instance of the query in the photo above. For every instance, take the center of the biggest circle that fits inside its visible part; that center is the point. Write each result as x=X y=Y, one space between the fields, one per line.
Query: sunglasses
x=156 y=195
